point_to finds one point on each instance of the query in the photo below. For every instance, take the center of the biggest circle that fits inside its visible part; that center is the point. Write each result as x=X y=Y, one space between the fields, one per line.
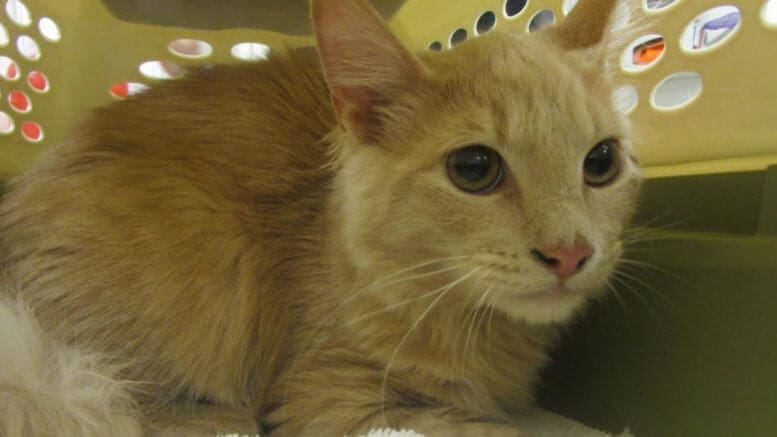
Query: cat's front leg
x=448 y=422
x=428 y=421
x=200 y=420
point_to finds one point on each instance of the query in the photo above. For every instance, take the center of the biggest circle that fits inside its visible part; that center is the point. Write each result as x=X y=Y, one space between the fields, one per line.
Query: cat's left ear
x=586 y=26
x=365 y=65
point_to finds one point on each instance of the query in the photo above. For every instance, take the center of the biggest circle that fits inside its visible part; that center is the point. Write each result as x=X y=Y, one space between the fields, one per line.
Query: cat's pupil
x=472 y=163
x=599 y=160
x=475 y=168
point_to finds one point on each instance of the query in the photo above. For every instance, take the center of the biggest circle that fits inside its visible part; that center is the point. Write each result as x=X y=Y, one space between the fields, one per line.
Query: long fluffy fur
x=48 y=389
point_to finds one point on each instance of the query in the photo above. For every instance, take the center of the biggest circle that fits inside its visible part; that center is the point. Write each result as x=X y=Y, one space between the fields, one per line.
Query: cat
x=325 y=242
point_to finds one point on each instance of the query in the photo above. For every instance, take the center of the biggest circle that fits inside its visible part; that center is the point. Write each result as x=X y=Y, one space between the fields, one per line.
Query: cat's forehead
x=508 y=58
x=524 y=87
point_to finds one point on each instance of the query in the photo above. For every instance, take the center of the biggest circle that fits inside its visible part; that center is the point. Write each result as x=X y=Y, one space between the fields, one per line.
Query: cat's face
x=418 y=196
x=497 y=172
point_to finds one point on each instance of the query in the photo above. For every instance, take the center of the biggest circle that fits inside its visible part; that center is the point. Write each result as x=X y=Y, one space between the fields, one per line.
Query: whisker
x=489 y=327
x=470 y=310
x=651 y=311
x=645 y=235
x=466 y=309
x=637 y=263
x=418 y=266
x=481 y=319
x=616 y=293
x=644 y=284
x=651 y=225
x=636 y=293
x=385 y=280
x=492 y=304
x=404 y=338
x=404 y=302
x=477 y=307
x=626 y=262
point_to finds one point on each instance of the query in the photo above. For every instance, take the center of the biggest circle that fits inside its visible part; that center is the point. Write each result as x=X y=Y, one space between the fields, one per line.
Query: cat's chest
x=493 y=382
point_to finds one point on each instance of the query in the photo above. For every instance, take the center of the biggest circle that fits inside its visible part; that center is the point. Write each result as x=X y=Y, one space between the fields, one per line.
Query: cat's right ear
x=364 y=64
x=586 y=26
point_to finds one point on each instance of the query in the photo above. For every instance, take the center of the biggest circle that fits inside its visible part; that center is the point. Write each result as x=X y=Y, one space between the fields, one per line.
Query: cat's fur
x=240 y=252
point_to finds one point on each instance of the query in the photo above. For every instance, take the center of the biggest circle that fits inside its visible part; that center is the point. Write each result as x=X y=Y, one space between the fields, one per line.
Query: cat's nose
x=564 y=261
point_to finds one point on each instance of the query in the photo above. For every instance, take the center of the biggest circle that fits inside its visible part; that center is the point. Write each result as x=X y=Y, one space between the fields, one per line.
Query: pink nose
x=564 y=261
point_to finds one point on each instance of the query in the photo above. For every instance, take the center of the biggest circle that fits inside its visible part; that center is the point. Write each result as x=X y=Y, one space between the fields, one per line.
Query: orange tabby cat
x=389 y=240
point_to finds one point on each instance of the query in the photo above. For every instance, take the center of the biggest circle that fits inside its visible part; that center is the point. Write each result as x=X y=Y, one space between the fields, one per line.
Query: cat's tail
x=49 y=389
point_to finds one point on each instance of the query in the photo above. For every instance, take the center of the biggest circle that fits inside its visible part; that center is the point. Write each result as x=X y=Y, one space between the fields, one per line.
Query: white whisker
x=390 y=279
x=475 y=310
x=617 y=294
x=639 y=296
x=643 y=284
x=469 y=310
x=404 y=338
x=492 y=304
x=404 y=302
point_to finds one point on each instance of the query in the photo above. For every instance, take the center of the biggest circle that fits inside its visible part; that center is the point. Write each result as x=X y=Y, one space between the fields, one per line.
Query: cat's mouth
x=539 y=293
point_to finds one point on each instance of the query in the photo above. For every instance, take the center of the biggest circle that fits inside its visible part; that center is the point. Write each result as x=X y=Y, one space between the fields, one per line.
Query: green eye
x=475 y=169
x=602 y=163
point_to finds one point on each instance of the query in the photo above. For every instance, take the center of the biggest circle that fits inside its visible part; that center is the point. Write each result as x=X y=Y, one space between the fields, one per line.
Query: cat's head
x=501 y=164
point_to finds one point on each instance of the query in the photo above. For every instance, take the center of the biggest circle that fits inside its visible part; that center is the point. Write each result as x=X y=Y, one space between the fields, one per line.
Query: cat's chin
x=556 y=304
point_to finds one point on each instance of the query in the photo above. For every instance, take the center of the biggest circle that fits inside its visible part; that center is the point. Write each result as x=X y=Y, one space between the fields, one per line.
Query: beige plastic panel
x=732 y=125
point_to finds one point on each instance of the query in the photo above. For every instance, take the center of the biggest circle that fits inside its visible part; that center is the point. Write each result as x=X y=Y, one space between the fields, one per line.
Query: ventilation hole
x=38 y=81
x=658 y=4
x=625 y=99
x=122 y=90
x=160 y=70
x=28 y=48
x=251 y=51
x=6 y=123
x=540 y=20
x=769 y=13
x=4 y=39
x=435 y=46
x=567 y=6
x=642 y=53
x=32 y=131
x=49 y=29
x=18 y=13
x=514 y=7
x=19 y=101
x=677 y=90
x=9 y=69
x=485 y=23
x=190 y=48
x=458 y=36
x=710 y=28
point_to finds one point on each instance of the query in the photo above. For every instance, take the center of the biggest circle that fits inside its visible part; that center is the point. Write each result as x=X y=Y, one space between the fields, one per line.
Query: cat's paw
x=476 y=429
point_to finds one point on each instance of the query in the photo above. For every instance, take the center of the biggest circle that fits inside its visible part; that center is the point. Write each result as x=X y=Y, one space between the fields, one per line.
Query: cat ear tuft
x=586 y=25
x=364 y=64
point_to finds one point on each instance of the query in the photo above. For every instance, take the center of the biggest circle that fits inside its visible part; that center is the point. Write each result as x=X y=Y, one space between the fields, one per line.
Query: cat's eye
x=475 y=169
x=602 y=163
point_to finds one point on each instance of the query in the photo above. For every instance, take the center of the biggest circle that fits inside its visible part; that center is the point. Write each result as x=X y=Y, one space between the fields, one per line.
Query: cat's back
x=240 y=135
x=252 y=115
x=166 y=223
